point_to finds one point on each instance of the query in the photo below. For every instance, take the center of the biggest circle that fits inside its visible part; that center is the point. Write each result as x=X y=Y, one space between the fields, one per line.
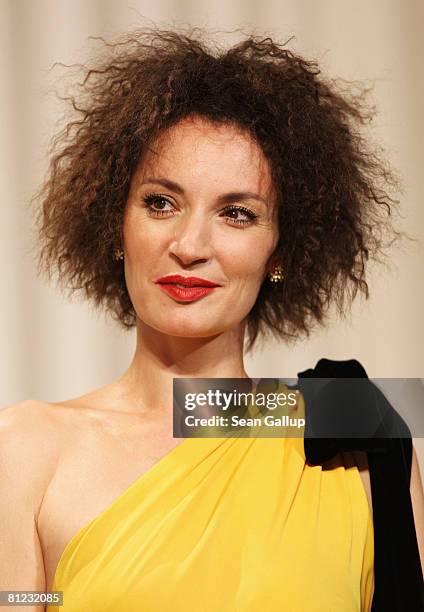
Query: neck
x=147 y=385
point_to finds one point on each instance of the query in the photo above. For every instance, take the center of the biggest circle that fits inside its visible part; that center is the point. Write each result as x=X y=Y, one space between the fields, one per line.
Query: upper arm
x=22 y=475
x=417 y=498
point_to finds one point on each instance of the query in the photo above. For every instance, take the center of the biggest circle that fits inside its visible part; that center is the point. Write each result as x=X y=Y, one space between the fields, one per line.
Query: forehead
x=198 y=150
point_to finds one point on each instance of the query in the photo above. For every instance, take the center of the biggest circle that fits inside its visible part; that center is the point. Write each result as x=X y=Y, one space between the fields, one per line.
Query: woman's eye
x=235 y=211
x=158 y=202
x=156 y=206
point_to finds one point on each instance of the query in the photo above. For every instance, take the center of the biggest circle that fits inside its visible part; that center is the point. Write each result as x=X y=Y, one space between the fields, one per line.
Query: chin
x=186 y=327
x=187 y=330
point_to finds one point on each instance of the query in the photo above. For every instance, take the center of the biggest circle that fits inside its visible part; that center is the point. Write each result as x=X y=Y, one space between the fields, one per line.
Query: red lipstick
x=186 y=288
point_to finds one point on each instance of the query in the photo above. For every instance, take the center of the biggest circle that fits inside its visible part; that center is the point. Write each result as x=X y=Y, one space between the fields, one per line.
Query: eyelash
x=151 y=198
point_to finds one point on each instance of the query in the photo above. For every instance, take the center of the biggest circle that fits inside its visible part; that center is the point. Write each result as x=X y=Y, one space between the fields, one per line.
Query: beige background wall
x=52 y=348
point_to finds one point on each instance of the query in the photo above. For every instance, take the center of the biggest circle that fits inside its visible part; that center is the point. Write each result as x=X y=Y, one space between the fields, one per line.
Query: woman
x=243 y=169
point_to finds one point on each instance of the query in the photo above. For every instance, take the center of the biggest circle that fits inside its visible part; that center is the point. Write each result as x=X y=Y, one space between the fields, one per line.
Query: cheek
x=142 y=240
x=246 y=260
x=142 y=248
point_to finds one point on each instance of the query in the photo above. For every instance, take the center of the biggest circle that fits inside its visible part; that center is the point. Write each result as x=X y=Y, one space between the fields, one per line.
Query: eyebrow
x=232 y=196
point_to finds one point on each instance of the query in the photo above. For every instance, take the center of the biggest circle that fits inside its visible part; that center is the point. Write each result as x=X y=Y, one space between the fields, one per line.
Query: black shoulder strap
x=397 y=566
x=398 y=575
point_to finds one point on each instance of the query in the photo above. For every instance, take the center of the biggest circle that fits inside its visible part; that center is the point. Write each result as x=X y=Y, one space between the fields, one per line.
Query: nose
x=191 y=238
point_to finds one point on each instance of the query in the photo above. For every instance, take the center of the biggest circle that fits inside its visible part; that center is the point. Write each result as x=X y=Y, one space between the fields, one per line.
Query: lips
x=185 y=294
x=186 y=281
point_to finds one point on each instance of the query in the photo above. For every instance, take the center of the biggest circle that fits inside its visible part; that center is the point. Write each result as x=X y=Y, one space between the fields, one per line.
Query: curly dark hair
x=333 y=189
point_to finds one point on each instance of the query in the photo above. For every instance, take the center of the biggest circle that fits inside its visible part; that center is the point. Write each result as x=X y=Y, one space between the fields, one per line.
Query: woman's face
x=201 y=204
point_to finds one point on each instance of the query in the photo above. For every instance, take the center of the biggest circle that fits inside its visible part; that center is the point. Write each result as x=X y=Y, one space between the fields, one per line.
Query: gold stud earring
x=276 y=276
x=118 y=254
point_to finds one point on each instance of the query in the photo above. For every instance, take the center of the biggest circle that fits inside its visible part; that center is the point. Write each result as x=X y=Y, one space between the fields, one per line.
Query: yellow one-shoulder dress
x=227 y=524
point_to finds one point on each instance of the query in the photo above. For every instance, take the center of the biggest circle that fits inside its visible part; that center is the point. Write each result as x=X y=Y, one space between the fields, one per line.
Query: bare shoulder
x=25 y=412
x=37 y=423
x=28 y=451
x=31 y=422
x=33 y=434
x=29 y=442
x=28 y=421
